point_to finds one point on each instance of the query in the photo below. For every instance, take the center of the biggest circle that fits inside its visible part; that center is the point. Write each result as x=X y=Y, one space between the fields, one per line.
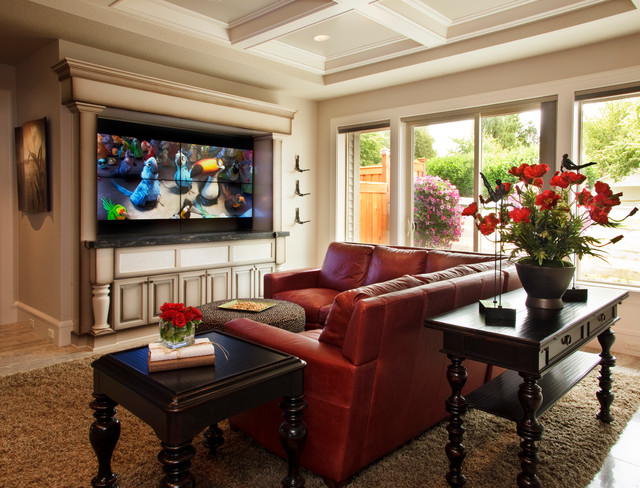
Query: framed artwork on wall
x=32 y=171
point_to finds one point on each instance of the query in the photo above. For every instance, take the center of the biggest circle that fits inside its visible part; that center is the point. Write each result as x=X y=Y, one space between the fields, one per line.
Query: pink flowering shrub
x=436 y=212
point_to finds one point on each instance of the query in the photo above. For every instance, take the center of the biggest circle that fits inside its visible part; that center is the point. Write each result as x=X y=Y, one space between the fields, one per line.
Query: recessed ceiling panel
x=457 y=10
x=348 y=32
x=226 y=11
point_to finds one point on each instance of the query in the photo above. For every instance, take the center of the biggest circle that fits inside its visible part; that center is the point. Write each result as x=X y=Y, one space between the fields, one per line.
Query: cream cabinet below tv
x=130 y=283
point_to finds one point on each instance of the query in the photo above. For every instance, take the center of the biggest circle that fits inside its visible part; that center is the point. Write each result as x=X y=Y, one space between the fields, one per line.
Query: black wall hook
x=298 y=190
x=298 y=221
x=297 y=168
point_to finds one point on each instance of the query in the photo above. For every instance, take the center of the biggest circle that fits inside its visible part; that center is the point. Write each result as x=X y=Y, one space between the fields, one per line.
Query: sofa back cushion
x=341 y=311
x=345 y=265
x=388 y=263
x=439 y=260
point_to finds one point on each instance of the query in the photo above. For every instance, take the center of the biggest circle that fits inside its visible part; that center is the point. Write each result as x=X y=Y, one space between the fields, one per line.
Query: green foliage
x=509 y=132
x=371 y=144
x=457 y=168
x=612 y=139
x=423 y=144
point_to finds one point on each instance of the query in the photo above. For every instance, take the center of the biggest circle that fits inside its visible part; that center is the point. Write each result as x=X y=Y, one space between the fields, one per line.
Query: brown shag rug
x=45 y=419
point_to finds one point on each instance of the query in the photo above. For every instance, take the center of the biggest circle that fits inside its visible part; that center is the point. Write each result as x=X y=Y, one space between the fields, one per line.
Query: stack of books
x=200 y=353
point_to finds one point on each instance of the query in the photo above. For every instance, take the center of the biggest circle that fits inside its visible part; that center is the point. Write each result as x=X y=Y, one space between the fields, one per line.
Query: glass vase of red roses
x=178 y=325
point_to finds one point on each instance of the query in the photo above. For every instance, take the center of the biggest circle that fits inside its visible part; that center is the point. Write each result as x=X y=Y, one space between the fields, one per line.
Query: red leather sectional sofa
x=375 y=376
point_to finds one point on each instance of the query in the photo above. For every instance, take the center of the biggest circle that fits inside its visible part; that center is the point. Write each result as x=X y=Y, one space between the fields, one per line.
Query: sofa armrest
x=290 y=280
x=328 y=373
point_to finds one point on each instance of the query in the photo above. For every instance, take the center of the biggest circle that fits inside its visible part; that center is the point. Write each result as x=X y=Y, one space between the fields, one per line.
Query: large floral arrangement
x=548 y=226
x=437 y=213
x=178 y=323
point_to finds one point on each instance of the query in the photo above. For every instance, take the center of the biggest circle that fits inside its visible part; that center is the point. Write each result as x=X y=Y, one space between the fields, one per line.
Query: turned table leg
x=607 y=361
x=456 y=405
x=176 y=461
x=530 y=430
x=104 y=434
x=293 y=435
x=213 y=438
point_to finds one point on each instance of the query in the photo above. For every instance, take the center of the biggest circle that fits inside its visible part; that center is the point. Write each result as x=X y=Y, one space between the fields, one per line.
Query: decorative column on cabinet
x=94 y=263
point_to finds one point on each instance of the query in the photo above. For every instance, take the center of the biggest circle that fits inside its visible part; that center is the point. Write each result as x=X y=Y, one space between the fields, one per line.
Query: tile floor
x=21 y=349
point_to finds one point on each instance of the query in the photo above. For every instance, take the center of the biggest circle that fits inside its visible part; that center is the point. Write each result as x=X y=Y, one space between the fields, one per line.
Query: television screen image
x=158 y=179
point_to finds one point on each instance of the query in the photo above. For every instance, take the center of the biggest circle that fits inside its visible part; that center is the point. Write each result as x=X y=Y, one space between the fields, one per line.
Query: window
x=368 y=163
x=609 y=128
x=451 y=155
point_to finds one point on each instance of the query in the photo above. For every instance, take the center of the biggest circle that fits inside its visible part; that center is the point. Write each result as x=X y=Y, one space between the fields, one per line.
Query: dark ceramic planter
x=545 y=285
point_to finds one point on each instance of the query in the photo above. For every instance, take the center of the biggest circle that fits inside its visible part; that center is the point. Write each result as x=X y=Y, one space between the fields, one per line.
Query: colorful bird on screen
x=114 y=211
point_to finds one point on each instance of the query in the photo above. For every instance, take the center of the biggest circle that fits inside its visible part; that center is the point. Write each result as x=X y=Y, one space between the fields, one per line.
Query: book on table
x=200 y=353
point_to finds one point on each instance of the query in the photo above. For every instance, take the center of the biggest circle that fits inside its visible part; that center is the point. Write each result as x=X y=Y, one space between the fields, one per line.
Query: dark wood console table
x=542 y=354
x=179 y=404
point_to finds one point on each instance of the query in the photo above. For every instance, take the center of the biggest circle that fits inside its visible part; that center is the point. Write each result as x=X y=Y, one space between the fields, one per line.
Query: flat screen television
x=155 y=180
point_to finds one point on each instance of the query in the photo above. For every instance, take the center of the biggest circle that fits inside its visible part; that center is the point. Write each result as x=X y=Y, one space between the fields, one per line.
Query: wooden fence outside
x=374 y=199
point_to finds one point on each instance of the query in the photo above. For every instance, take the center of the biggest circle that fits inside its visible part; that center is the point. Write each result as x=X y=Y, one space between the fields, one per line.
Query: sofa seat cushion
x=344 y=304
x=438 y=260
x=345 y=266
x=388 y=263
x=313 y=300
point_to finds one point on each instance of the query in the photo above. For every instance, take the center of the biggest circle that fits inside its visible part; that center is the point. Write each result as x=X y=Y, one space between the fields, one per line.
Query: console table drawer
x=564 y=342
x=578 y=334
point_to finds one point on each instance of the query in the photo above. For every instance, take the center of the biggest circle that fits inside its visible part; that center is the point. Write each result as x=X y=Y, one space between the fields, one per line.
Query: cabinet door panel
x=129 y=303
x=243 y=282
x=161 y=289
x=218 y=284
x=193 y=288
x=260 y=271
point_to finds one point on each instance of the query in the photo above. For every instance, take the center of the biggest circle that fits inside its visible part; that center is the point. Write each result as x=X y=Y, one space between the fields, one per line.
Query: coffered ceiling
x=317 y=48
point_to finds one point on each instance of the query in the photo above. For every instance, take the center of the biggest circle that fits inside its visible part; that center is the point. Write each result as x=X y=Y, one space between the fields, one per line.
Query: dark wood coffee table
x=543 y=356
x=180 y=404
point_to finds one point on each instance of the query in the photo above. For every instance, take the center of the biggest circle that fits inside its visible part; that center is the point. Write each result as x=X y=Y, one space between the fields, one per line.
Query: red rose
x=520 y=215
x=471 y=209
x=179 y=319
x=547 y=199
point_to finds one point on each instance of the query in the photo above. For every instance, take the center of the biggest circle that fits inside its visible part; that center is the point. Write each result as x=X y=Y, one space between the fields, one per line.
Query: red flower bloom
x=488 y=224
x=518 y=170
x=471 y=209
x=520 y=215
x=599 y=214
x=603 y=189
x=564 y=180
x=547 y=199
x=584 y=197
x=536 y=171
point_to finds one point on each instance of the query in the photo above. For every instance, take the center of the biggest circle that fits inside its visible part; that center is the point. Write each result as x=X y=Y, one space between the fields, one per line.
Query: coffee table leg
x=176 y=461
x=530 y=430
x=293 y=435
x=456 y=405
x=213 y=438
x=608 y=361
x=104 y=434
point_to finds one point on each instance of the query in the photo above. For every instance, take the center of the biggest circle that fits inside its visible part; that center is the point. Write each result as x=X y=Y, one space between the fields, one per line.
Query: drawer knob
x=602 y=317
x=566 y=340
